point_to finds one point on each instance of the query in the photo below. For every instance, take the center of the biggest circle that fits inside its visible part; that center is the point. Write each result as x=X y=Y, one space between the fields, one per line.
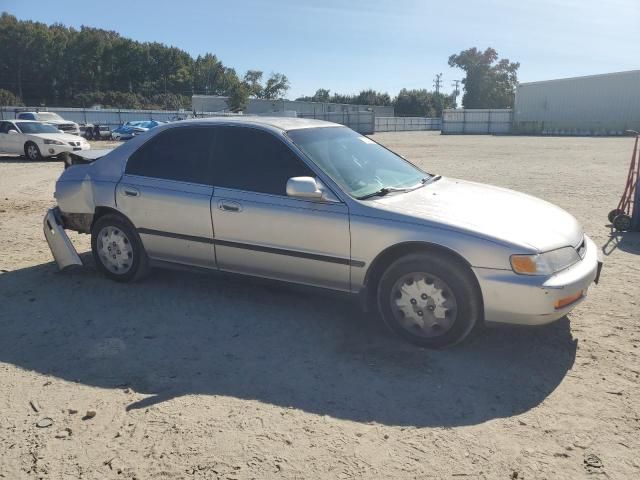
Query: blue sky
x=348 y=45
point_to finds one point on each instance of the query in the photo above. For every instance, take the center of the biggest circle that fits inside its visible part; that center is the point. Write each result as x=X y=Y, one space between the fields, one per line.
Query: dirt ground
x=208 y=376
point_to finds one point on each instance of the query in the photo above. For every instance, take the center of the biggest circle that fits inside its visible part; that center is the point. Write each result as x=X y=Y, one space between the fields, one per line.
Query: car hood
x=493 y=212
x=62 y=137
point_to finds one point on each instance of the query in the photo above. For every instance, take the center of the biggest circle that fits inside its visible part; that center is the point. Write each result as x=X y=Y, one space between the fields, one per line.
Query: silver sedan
x=315 y=203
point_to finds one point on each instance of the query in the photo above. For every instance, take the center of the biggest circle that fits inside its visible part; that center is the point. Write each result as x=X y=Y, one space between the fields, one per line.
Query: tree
x=489 y=82
x=238 y=97
x=8 y=99
x=365 y=97
x=421 y=103
x=276 y=86
x=252 y=80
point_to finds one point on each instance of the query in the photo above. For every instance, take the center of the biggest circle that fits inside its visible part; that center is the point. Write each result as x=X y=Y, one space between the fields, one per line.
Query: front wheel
x=32 y=152
x=430 y=300
x=117 y=249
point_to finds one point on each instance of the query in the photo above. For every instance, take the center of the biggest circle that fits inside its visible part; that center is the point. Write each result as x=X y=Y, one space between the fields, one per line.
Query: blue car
x=131 y=129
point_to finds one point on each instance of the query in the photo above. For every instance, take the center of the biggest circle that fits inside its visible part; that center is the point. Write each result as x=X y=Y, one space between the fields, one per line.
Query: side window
x=4 y=127
x=26 y=116
x=180 y=153
x=255 y=161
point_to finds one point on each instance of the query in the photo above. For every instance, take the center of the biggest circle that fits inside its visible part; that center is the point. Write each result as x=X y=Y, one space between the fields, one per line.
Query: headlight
x=52 y=142
x=546 y=263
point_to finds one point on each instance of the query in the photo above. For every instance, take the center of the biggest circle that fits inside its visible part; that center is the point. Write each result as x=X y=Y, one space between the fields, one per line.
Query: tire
x=131 y=262
x=32 y=152
x=614 y=213
x=622 y=223
x=430 y=300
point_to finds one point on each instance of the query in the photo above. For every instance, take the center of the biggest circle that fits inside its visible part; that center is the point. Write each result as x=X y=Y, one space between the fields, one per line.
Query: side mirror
x=304 y=187
x=13 y=132
x=60 y=131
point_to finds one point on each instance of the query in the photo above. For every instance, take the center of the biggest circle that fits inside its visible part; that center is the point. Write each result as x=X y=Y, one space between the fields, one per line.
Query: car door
x=10 y=142
x=166 y=192
x=261 y=231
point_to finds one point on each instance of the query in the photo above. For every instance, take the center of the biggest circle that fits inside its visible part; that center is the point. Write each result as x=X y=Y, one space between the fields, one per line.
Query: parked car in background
x=92 y=131
x=36 y=139
x=315 y=203
x=52 y=118
x=131 y=129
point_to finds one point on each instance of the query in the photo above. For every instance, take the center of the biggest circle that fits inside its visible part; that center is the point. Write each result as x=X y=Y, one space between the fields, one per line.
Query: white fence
x=362 y=122
x=476 y=121
x=405 y=124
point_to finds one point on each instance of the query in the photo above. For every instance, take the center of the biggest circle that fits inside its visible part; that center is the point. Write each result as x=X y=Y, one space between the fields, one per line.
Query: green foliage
x=421 y=103
x=9 y=99
x=57 y=65
x=489 y=82
x=365 y=97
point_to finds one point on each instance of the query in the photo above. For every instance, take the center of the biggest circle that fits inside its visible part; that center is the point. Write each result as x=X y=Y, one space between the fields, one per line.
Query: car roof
x=275 y=123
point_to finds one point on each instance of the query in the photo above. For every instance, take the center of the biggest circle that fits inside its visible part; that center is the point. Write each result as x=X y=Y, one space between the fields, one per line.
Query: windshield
x=36 y=127
x=356 y=163
x=49 y=117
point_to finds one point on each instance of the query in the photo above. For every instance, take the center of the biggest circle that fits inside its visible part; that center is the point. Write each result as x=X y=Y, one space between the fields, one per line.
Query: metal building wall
x=605 y=104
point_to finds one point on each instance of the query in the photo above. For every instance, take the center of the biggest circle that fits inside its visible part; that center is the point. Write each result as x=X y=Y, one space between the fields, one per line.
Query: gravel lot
x=208 y=376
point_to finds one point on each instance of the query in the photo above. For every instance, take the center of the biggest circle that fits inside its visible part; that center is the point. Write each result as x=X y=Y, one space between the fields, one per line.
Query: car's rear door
x=261 y=231
x=166 y=192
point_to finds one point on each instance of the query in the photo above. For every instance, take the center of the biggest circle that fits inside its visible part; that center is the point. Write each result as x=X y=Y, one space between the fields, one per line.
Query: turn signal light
x=563 y=302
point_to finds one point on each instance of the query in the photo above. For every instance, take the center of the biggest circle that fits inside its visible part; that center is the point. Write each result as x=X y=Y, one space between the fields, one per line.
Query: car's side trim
x=256 y=248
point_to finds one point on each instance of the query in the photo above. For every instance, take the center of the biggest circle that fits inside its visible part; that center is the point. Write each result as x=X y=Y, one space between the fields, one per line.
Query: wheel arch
x=385 y=258
x=101 y=211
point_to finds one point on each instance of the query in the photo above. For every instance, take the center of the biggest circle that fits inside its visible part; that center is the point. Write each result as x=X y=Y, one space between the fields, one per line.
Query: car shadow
x=180 y=333
x=625 y=241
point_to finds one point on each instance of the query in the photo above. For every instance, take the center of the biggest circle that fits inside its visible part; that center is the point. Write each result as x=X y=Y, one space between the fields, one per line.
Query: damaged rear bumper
x=61 y=247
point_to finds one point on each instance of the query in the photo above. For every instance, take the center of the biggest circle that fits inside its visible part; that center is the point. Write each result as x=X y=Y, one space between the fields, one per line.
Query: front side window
x=35 y=127
x=5 y=127
x=26 y=116
x=356 y=163
x=255 y=161
x=180 y=154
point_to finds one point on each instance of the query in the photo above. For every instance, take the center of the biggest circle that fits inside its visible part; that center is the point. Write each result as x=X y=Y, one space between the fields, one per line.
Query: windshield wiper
x=382 y=192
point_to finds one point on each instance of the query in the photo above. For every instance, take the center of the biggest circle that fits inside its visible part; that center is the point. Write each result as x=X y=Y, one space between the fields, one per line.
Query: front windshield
x=356 y=163
x=35 y=127
x=49 y=116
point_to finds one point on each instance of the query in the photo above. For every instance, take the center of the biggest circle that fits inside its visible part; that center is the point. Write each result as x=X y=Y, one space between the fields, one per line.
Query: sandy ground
x=207 y=376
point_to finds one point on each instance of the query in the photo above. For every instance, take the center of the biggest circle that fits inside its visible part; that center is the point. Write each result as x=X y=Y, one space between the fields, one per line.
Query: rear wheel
x=31 y=151
x=117 y=249
x=429 y=300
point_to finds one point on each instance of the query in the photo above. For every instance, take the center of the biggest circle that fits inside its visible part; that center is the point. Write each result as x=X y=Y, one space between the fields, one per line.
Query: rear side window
x=180 y=154
x=255 y=161
x=26 y=116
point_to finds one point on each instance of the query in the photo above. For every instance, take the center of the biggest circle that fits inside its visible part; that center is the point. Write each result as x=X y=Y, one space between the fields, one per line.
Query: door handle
x=130 y=191
x=229 y=206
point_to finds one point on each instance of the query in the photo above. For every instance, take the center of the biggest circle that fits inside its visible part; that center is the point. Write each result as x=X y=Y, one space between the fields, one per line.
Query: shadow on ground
x=625 y=241
x=180 y=333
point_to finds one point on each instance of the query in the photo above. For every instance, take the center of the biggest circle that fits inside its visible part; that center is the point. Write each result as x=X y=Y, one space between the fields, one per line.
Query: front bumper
x=53 y=150
x=63 y=251
x=530 y=300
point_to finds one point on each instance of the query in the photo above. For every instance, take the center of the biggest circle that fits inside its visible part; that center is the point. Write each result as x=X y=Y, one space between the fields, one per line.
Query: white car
x=36 y=140
x=54 y=119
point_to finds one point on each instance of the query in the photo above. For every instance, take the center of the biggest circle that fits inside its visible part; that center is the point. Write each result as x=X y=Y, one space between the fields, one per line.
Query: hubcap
x=32 y=152
x=423 y=304
x=114 y=250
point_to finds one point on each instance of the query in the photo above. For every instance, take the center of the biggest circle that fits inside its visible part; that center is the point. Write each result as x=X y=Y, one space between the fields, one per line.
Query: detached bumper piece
x=63 y=251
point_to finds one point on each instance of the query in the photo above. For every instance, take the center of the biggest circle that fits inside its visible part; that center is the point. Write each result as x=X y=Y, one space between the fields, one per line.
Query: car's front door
x=166 y=192
x=261 y=231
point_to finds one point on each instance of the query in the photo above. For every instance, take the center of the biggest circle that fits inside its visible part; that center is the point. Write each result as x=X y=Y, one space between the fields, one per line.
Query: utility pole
x=456 y=90
x=438 y=83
